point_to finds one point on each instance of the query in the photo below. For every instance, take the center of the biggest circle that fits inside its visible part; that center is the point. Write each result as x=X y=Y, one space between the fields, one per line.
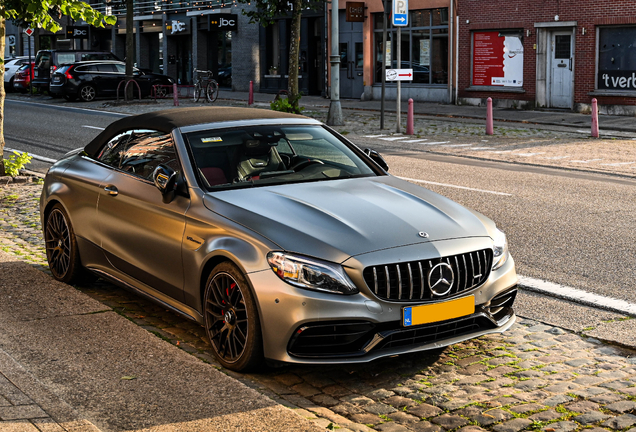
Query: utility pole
x=334 y=117
x=384 y=59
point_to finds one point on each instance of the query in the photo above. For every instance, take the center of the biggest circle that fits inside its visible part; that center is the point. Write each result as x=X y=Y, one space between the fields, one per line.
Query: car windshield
x=267 y=155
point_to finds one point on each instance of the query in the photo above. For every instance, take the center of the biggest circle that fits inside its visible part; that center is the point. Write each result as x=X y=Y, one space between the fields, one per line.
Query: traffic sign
x=400 y=16
x=399 y=74
x=29 y=31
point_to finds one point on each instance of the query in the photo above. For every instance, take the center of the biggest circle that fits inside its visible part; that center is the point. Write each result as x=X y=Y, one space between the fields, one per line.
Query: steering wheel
x=304 y=164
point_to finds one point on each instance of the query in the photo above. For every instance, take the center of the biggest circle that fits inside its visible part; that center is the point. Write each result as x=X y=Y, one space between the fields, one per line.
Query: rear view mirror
x=375 y=157
x=165 y=179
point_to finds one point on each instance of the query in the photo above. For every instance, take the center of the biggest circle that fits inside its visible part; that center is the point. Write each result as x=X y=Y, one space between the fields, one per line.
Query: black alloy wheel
x=61 y=247
x=231 y=319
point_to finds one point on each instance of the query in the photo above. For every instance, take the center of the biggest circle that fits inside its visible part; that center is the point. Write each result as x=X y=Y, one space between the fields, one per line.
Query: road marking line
x=482 y=148
x=555 y=157
x=373 y=136
x=393 y=138
x=576 y=295
x=457 y=145
x=436 y=143
x=586 y=161
x=529 y=154
x=113 y=113
x=34 y=156
x=415 y=141
x=454 y=186
x=93 y=127
x=500 y=151
x=619 y=164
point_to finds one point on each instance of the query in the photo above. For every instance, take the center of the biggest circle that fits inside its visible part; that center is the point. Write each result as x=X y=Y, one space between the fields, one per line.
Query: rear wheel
x=197 y=92
x=231 y=319
x=87 y=93
x=61 y=248
x=212 y=91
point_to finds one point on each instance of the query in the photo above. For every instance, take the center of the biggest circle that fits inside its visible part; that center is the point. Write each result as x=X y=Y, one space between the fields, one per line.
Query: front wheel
x=197 y=92
x=231 y=319
x=212 y=91
x=87 y=93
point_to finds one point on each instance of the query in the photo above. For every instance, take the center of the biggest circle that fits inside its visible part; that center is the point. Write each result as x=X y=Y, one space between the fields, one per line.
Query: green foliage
x=286 y=104
x=268 y=10
x=15 y=163
x=42 y=13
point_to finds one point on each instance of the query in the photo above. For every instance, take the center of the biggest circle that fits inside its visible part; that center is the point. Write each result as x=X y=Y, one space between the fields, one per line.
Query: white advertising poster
x=387 y=58
x=425 y=52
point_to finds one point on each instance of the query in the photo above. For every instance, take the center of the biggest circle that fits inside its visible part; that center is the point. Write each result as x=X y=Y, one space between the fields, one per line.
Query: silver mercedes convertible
x=283 y=239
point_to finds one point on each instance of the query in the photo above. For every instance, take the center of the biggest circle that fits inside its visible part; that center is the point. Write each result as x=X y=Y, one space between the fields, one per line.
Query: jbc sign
x=223 y=22
x=77 y=32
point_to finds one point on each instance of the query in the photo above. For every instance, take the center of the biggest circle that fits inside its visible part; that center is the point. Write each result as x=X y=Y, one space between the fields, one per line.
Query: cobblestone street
x=534 y=377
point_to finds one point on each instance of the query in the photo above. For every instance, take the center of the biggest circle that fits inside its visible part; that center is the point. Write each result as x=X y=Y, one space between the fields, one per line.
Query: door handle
x=112 y=190
x=570 y=64
x=351 y=67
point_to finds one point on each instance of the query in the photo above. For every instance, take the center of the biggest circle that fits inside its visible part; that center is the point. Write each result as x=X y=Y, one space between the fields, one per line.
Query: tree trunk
x=130 y=47
x=294 y=49
x=2 y=95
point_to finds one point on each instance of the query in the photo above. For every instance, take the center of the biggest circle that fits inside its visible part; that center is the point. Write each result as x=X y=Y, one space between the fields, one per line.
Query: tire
x=231 y=319
x=197 y=92
x=70 y=98
x=212 y=91
x=61 y=248
x=10 y=88
x=87 y=93
x=161 y=92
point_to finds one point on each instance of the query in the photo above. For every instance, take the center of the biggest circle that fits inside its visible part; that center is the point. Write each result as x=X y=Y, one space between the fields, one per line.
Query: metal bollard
x=489 y=128
x=175 y=94
x=594 y=118
x=409 y=118
x=250 y=100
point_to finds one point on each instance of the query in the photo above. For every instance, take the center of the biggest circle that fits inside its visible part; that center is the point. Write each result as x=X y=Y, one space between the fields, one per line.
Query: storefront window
x=617 y=58
x=424 y=46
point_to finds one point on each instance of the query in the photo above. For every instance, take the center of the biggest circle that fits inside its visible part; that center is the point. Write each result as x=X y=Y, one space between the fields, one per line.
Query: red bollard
x=489 y=128
x=594 y=118
x=175 y=94
x=250 y=100
x=409 y=119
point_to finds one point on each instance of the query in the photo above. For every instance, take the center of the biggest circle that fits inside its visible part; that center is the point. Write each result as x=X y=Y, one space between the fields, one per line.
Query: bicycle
x=205 y=81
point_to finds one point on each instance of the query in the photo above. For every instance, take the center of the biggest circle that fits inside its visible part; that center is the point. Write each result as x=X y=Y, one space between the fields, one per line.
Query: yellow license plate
x=424 y=314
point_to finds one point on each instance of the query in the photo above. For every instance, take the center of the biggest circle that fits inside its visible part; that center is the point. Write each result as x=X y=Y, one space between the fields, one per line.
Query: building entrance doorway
x=561 y=69
x=351 y=58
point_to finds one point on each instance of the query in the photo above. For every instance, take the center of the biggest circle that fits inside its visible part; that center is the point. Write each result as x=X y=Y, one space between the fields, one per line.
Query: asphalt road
x=563 y=226
x=50 y=131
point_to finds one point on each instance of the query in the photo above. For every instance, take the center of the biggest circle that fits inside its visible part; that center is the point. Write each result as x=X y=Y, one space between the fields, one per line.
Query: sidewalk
x=71 y=363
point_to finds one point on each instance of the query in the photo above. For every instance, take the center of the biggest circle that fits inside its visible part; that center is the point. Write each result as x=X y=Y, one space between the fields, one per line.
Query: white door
x=561 y=69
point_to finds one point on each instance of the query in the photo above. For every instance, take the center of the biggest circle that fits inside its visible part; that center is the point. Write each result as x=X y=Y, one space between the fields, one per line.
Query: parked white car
x=11 y=66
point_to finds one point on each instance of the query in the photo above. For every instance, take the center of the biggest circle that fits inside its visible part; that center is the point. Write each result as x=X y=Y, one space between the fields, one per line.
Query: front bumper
x=303 y=326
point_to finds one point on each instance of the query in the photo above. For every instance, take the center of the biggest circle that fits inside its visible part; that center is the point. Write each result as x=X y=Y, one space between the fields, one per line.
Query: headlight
x=311 y=274
x=499 y=249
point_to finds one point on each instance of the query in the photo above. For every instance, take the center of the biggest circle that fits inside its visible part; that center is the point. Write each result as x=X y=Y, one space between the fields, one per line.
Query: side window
x=106 y=68
x=113 y=151
x=120 y=68
x=145 y=150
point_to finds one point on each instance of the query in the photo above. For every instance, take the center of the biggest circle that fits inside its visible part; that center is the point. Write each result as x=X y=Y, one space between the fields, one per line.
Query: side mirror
x=165 y=179
x=375 y=157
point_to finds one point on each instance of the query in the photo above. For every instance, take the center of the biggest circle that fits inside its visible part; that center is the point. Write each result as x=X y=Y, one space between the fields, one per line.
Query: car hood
x=337 y=219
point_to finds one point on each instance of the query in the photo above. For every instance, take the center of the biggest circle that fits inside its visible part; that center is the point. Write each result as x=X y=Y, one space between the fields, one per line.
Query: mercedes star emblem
x=440 y=279
x=423 y=234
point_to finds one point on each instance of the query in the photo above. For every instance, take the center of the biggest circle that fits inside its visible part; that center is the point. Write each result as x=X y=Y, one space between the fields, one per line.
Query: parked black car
x=89 y=79
x=47 y=61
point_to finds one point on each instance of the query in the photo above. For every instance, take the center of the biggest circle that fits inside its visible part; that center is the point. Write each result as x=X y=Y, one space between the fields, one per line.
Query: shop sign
x=11 y=40
x=616 y=80
x=77 y=32
x=176 y=27
x=355 y=11
x=497 y=59
x=224 y=22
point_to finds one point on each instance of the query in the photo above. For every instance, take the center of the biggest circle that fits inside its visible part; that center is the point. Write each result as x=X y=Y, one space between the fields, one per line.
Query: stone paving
x=534 y=377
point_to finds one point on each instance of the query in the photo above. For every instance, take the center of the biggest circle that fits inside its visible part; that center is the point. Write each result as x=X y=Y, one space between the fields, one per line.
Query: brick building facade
x=556 y=54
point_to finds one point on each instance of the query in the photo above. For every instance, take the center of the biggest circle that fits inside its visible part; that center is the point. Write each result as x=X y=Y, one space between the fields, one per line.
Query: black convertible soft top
x=167 y=120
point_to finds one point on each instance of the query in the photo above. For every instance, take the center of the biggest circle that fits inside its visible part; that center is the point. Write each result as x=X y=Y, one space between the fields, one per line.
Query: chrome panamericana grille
x=410 y=281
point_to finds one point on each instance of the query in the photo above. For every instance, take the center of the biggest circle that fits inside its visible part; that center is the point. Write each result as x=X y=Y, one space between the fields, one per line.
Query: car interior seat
x=258 y=156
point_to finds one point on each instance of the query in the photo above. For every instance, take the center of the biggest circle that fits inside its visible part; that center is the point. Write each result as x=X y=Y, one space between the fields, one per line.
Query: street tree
x=265 y=12
x=41 y=14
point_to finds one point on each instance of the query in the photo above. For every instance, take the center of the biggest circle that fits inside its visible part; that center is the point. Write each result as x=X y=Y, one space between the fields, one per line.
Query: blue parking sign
x=400 y=12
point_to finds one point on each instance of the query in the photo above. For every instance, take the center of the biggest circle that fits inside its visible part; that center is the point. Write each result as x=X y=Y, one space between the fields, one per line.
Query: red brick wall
x=519 y=14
